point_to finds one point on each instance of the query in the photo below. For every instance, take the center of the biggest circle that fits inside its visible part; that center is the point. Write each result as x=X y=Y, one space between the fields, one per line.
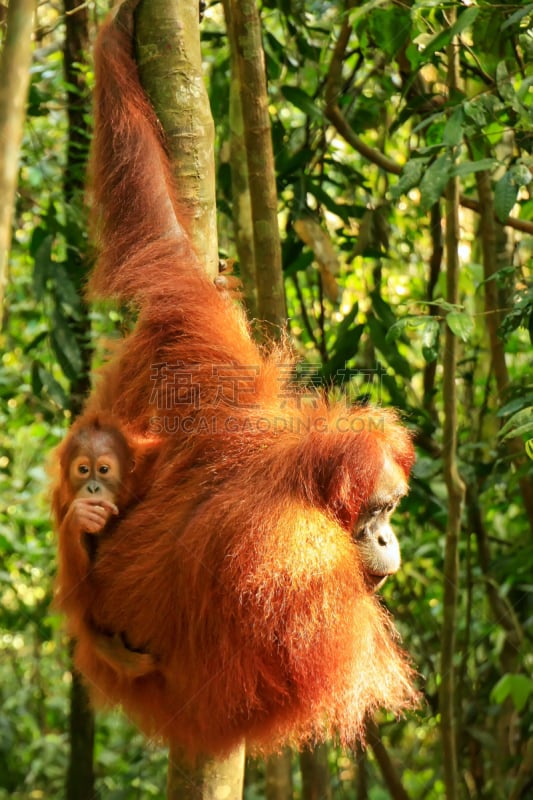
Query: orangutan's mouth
x=375 y=582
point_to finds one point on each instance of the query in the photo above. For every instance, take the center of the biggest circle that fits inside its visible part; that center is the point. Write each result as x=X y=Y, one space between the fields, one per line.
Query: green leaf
x=42 y=379
x=468 y=167
x=382 y=309
x=36 y=382
x=325 y=198
x=411 y=175
x=515 y=405
x=346 y=347
x=517 y=687
x=474 y=110
x=426 y=327
x=301 y=100
x=529 y=449
x=461 y=324
x=435 y=133
x=389 y=351
x=65 y=290
x=390 y=28
x=505 y=86
x=443 y=305
x=66 y=348
x=465 y=20
x=505 y=194
x=348 y=321
x=298 y=263
x=35 y=341
x=522 y=174
x=439 y=42
x=453 y=130
x=288 y=164
x=520 y=424
x=524 y=88
x=517 y=16
x=395 y=331
x=430 y=339
x=434 y=181
x=522 y=430
x=42 y=262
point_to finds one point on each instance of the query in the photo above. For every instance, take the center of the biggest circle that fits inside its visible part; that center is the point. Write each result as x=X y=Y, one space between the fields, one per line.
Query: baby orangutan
x=98 y=477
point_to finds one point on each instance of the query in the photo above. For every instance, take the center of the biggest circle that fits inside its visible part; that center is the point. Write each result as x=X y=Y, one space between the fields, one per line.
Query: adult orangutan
x=247 y=570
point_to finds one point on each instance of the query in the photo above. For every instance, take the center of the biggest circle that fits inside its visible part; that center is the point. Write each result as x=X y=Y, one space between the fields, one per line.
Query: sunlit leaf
x=461 y=324
x=518 y=687
x=520 y=424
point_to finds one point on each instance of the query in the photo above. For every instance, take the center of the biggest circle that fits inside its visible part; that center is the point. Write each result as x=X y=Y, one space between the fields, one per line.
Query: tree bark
x=170 y=69
x=278 y=776
x=15 y=62
x=240 y=186
x=316 y=780
x=80 y=772
x=260 y=160
x=207 y=779
x=388 y=770
x=361 y=776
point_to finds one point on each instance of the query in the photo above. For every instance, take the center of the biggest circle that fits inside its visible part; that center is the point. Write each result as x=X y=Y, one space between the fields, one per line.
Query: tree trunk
x=388 y=770
x=316 y=782
x=80 y=772
x=260 y=159
x=170 y=68
x=240 y=185
x=361 y=777
x=278 y=776
x=207 y=779
x=15 y=62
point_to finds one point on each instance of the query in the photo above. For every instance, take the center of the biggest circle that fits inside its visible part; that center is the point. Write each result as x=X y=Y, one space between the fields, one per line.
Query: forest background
x=389 y=120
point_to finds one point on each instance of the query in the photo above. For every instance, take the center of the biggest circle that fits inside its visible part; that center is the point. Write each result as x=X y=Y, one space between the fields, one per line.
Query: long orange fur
x=237 y=569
